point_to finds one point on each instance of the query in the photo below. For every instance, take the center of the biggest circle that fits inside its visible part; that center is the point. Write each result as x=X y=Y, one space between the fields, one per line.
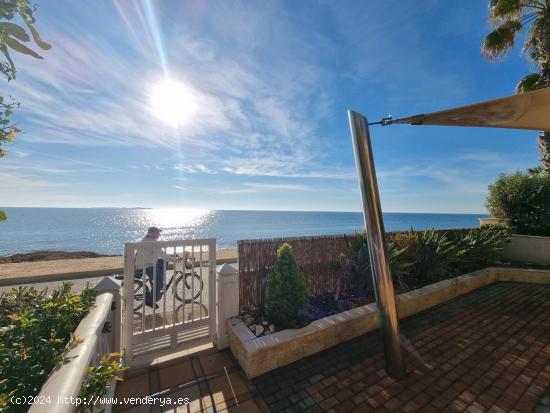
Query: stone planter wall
x=493 y=221
x=258 y=355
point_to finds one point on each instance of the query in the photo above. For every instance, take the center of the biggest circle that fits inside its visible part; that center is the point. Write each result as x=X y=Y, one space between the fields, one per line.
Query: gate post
x=128 y=305
x=227 y=287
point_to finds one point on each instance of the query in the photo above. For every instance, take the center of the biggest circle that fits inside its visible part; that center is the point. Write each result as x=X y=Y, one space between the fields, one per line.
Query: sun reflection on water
x=176 y=223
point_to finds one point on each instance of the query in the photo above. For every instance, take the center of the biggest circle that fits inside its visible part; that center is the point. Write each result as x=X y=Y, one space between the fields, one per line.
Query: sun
x=173 y=102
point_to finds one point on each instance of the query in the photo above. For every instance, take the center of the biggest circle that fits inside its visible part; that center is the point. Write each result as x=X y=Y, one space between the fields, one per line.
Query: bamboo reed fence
x=313 y=255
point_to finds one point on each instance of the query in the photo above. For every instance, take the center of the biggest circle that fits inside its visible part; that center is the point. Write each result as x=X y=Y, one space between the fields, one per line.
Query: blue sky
x=271 y=82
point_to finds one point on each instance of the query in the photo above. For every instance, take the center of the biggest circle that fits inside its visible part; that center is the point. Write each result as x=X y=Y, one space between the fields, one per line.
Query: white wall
x=528 y=248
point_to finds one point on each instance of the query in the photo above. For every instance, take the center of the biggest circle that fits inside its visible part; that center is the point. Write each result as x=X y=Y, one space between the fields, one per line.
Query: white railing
x=60 y=391
x=168 y=300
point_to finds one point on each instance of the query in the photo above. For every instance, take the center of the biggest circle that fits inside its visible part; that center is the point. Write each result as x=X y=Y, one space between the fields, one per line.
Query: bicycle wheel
x=183 y=290
x=138 y=295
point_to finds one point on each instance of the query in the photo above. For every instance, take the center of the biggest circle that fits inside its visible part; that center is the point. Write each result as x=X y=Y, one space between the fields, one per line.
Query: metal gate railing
x=169 y=296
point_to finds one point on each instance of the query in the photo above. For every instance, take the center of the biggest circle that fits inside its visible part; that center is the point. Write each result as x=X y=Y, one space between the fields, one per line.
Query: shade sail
x=525 y=111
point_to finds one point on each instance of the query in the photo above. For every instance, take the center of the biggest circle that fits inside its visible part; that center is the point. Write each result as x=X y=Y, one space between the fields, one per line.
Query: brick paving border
x=486 y=351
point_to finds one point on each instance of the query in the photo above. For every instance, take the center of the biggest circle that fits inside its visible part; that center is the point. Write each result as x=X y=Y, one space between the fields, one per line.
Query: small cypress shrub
x=286 y=288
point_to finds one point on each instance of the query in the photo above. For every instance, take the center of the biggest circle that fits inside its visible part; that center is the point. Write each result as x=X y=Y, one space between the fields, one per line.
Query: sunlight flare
x=173 y=102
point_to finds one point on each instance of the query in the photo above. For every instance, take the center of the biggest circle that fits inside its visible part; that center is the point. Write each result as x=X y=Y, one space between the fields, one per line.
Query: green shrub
x=524 y=199
x=99 y=378
x=286 y=288
x=35 y=328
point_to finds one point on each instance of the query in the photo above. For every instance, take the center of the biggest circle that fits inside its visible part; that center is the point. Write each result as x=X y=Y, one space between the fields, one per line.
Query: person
x=154 y=259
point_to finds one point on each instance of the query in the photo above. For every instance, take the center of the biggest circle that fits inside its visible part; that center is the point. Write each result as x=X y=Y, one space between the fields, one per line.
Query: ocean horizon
x=105 y=230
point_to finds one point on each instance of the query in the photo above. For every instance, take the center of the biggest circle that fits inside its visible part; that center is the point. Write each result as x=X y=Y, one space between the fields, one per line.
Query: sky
x=268 y=86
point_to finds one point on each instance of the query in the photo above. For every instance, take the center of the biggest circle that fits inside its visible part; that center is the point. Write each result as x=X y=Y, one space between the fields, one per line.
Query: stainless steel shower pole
x=374 y=225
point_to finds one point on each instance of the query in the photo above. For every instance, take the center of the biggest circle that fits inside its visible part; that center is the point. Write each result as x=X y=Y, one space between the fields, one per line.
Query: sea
x=105 y=230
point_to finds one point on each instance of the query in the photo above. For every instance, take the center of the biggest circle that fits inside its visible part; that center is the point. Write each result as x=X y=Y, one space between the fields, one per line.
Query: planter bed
x=319 y=306
x=258 y=355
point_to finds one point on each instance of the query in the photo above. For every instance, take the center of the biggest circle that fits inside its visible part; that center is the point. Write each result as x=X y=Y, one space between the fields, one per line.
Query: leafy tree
x=523 y=198
x=286 y=288
x=511 y=17
x=12 y=37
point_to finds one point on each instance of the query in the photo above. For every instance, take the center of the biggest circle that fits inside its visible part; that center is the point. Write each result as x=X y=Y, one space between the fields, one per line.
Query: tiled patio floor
x=486 y=351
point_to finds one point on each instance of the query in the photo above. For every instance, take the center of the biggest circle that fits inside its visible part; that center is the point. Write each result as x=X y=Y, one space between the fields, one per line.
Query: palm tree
x=511 y=17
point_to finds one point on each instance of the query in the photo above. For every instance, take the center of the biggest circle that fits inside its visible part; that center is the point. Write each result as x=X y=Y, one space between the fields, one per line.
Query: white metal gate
x=169 y=301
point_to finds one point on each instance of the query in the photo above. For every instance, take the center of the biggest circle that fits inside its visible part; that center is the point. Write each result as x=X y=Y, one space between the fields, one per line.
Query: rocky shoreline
x=50 y=256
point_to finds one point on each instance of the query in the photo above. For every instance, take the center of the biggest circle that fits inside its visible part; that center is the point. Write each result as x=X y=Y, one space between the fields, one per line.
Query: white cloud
x=87 y=92
x=41 y=170
x=254 y=187
x=21 y=182
x=468 y=173
x=192 y=169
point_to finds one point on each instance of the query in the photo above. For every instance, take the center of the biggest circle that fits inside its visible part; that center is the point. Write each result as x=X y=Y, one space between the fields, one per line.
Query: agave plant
x=400 y=265
x=482 y=247
x=358 y=257
x=433 y=255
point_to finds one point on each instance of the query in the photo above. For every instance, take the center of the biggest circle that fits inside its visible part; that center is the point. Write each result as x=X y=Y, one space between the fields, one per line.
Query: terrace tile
x=137 y=386
x=485 y=351
x=179 y=373
x=210 y=379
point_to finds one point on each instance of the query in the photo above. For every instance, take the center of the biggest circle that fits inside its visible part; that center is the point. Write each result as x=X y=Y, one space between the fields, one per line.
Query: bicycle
x=186 y=274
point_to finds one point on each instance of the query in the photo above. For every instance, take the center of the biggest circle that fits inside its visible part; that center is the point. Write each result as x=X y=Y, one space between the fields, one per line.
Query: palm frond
x=505 y=9
x=500 y=40
x=538 y=41
x=530 y=45
x=528 y=83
